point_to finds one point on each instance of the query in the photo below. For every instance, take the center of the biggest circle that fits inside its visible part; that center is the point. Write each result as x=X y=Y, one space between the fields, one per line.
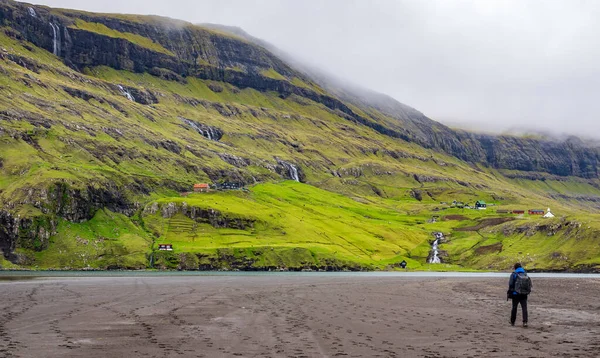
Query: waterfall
x=294 y=173
x=292 y=170
x=32 y=12
x=208 y=132
x=193 y=125
x=55 y=40
x=434 y=258
x=126 y=93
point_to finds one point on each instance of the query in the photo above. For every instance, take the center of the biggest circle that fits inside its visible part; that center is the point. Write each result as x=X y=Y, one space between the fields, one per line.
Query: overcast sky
x=491 y=65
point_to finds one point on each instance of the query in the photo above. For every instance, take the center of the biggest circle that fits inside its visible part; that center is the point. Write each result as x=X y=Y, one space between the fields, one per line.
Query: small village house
x=201 y=188
x=518 y=212
x=481 y=205
x=536 y=212
x=165 y=247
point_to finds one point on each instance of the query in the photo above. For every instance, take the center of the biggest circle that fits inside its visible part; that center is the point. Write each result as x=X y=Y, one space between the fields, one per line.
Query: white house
x=549 y=214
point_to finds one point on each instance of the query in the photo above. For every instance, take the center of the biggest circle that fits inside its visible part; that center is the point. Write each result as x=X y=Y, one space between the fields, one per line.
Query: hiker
x=519 y=286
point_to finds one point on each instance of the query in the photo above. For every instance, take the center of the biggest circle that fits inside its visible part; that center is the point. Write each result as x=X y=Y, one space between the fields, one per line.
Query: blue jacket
x=513 y=277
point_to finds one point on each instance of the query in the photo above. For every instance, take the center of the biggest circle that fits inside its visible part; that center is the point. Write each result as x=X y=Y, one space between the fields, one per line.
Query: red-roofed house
x=201 y=188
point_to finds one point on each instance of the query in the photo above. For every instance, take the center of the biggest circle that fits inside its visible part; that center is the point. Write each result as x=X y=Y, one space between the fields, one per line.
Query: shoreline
x=9 y=275
x=589 y=270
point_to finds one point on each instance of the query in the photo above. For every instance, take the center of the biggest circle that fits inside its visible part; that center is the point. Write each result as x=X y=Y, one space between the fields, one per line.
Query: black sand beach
x=293 y=316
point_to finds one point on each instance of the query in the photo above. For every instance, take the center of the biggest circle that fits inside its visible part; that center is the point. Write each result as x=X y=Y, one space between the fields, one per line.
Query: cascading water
x=126 y=93
x=294 y=173
x=193 y=125
x=292 y=170
x=433 y=257
x=209 y=133
x=56 y=46
x=32 y=12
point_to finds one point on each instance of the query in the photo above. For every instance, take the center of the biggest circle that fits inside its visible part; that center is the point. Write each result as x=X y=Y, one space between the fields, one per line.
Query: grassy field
x=372 y=232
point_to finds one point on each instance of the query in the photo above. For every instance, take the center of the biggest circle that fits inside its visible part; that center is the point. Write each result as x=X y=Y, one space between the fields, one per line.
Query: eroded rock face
x=202 y=215
x=30 y=233
x=235 y=160
x=57 y=201
x=231 y=175
x=9 y=233
x=171 y=146
x=77 y=205
x=138 y=95
x=208 y=132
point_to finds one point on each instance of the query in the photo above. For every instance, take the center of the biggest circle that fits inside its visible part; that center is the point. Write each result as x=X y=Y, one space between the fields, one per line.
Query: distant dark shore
x=29 y=271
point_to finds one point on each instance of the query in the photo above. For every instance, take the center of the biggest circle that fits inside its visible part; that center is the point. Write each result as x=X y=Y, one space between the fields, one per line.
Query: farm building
x=518 y=212
x=502 y=211
x=165 y=247
x=480 y=204
x=201 y=188
x=536 y=212
x=549 y=214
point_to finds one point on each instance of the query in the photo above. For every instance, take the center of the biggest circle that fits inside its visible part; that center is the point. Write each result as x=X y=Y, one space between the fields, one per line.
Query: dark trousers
x=516 y=299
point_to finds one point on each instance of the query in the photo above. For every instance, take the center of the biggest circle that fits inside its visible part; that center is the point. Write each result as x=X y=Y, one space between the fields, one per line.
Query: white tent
x=549 y=214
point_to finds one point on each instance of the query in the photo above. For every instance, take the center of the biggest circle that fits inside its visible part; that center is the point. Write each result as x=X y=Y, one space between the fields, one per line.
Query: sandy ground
x=291 y=316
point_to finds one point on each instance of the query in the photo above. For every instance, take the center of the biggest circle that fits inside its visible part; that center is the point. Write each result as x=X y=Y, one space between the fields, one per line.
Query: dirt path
x=285 y=316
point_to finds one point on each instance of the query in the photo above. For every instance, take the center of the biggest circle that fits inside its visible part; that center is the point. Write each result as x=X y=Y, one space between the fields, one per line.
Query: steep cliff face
x=158 y=45
x=147 y=44
x=161 y=46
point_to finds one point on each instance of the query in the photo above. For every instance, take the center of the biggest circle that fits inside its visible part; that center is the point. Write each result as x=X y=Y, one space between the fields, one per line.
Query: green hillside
x=97 y=159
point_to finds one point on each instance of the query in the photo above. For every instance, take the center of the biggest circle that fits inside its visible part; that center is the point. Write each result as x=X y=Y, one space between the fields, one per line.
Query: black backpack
x=522 y=283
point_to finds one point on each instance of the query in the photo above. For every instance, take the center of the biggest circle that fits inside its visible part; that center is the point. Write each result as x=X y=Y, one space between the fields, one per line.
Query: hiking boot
x=525 y=324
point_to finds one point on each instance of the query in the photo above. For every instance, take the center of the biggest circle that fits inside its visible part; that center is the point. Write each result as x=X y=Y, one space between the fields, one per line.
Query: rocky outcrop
x=9 y=233
x=171 y=146
x=137 y=95
x=213 y=217
x=30 y=233
x=229 y=175
x=57 y=201
x=235 y=160
x=77 y=205
x=208 y=132
x=87 y=96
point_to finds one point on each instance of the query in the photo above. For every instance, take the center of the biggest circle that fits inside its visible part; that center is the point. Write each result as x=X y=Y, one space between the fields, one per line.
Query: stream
x=433 y=257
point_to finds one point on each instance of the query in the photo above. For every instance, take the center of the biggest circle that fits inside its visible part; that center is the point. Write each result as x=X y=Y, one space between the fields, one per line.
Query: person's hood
x=519 y=270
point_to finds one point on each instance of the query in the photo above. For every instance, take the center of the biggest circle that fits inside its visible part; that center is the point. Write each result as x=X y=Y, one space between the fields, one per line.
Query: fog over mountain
x=490 y=66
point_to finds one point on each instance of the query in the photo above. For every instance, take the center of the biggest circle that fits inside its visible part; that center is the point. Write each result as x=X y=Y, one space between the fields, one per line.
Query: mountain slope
x=107 y=122
x=562 y=157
